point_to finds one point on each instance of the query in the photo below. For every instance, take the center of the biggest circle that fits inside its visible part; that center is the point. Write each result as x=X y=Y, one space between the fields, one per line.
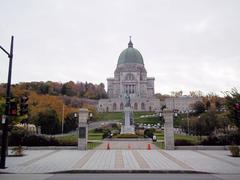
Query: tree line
x=78 y=89
x=50 y=103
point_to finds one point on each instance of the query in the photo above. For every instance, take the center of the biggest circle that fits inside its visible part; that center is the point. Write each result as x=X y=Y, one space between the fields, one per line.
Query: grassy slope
x=193 y=139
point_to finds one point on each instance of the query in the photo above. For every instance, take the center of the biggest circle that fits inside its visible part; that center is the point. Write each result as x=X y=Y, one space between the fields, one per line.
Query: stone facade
x=130 y=77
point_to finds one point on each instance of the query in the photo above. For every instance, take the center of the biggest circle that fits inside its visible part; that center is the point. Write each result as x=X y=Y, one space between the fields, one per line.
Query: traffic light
x=23 y=105
x=237 y=111
x=13 y=108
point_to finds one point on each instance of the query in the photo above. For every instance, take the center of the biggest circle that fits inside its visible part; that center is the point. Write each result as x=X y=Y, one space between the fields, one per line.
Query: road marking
x=119 y=163
x=217 y=158
x=141 y=162
x=38 y=158
x=84 y=160
x=175 y=160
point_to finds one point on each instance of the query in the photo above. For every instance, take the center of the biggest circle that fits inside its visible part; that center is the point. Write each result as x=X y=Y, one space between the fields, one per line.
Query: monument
x=128 y=127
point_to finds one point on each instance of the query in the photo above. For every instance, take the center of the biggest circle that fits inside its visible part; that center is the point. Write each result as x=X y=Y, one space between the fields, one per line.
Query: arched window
x=121 y=106
x=107 y=109
x=142 y=106
x=114 y=106
x=129 y=77
x=135 y=106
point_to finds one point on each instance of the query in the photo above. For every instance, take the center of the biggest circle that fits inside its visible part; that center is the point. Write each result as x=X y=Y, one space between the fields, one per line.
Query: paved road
x=118 y=177
x=94 y=125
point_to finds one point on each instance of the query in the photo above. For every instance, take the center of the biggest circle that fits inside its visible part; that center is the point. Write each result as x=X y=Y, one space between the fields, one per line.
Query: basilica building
x=130 y=79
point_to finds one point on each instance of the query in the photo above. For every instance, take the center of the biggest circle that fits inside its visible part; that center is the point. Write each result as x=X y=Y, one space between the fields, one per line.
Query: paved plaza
x=49 y=161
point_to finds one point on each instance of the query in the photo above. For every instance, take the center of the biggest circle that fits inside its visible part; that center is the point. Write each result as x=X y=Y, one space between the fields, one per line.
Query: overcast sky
x=186 y=45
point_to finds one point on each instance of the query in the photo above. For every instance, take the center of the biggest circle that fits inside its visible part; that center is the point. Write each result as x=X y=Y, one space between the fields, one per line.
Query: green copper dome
x=130 y=55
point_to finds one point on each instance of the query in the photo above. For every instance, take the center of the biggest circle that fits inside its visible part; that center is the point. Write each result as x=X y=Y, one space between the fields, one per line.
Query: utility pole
x=7 y=110
x=62 y=118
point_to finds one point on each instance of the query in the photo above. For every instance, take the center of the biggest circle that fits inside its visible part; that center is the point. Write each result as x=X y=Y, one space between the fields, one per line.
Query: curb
x=145 y=171
x=130 y=172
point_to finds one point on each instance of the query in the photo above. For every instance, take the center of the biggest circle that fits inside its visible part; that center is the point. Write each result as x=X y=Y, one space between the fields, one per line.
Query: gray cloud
x=186 y=45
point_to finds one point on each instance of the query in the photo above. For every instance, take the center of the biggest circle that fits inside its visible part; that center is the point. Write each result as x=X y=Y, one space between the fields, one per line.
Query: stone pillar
x=168 y=130
x=82 y=129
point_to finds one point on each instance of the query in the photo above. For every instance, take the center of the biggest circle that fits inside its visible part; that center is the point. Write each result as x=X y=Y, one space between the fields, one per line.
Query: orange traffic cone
x=108 y=146
x=149 y=146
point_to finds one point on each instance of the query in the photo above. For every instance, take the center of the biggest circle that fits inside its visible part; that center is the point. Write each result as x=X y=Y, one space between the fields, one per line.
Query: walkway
x=43 y=161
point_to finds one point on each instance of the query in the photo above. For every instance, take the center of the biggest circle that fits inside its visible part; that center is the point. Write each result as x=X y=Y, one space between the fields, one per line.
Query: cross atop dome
x=130 y=44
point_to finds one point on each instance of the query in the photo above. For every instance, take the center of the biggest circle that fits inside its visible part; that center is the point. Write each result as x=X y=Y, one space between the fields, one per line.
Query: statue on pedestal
x=127 y=99
x=128 y=127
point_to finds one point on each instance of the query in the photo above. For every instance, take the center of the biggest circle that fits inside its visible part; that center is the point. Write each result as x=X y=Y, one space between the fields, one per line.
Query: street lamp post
x=188 y=121
x=7 y=109
x=188 y=126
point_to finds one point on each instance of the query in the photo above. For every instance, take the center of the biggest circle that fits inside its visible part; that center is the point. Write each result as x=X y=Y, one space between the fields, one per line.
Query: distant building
x=130 y=78
x=183 y=103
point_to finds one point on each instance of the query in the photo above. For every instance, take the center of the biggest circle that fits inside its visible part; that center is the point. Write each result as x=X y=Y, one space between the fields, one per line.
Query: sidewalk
x=49 y=161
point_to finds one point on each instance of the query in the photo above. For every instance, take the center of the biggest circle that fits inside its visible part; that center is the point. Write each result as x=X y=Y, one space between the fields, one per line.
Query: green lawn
x=160 y=136
x=72 y=139
x=95 y=136
x=150 y=120
x=104 y=116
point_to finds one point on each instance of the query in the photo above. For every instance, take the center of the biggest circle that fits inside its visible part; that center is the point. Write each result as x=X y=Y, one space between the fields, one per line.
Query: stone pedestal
x=82 y=129
x=168 y=130
x=127 y=128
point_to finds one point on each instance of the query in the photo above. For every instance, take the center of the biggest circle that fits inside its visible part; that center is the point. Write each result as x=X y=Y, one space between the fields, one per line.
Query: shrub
x=232 y=138
x=183 y=142
x=234 y=150
x=16 y=136
x=35 y=140
x=149 y=133
x=106 y=133
x=31 y=140
x=98 y=130
x=140 y=132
